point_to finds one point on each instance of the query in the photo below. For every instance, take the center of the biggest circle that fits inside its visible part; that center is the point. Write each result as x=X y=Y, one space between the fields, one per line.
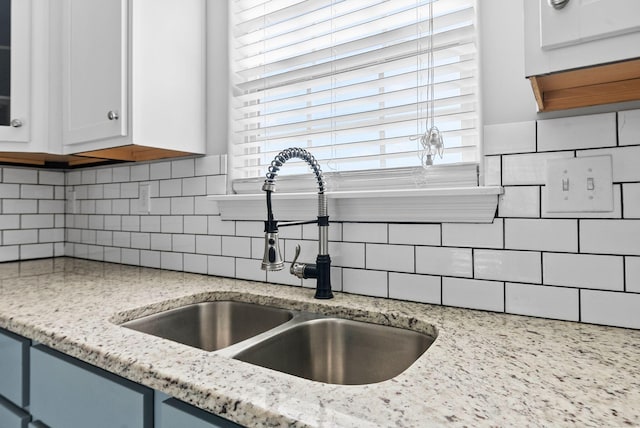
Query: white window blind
x=346 y=79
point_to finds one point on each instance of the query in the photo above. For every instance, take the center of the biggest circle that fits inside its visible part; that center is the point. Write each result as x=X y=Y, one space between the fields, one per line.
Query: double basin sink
x=307 y=345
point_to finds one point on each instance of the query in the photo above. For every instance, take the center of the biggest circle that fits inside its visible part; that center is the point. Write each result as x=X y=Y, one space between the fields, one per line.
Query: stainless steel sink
x=339 y=351
x=212 y=325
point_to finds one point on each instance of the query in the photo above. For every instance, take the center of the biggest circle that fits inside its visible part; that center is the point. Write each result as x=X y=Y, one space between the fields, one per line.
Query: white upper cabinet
x=583 y=33
x=133 y=77
x=94 y=65
x=15 y=72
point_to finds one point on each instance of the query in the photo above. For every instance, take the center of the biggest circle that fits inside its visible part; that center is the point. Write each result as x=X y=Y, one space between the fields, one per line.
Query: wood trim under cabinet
x=603 y=84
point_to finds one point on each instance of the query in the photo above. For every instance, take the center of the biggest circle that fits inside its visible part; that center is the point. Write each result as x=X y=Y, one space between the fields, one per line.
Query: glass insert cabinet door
x=15 y=71
x=5 y=62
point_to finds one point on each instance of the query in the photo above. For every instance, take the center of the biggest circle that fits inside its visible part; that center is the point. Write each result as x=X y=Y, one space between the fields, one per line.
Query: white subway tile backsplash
x=9 y=221
x=122 y=239
x=249 y=269
x=140 y=172
x=236 y=246
x=541 y=234
x=20 y=175
x=171 y=261
x=473 y=235
x=88 y=237
x=629 y=127
x=36 y=191
x=103 y=237
x=194 y=186
x=182 y=205
x=308 y=250
x=310 y=231
x=519 y=201
x=37 y=221
x=73 y=178
x=129 y=256
x=539 y=301
x=88 y=176
x=610 y=308
x=160 y=171
x=104 y=175
x=208 y=244
x=51 y=235
x=129 y=190
x=366 y=282
x=87 y=206
x=18 y=206
x=610 y=237
x=9 y=191
x=631 y=196
x=15 y=237
x=219 y=227
x=584 y=271
x=112 y=255
x=111 y=190
x=121 y=174
x=625 y=162
x=414 y=234
x=217 y=185
x=120 y=206
x=55 y=178
x=196 y=263
x=183 y=168
x=195 y=225
x=171 y=187
x=161 y=241
x=103 y=206
x=131 y=223
x=364 y=232
x=208 y=165
x=140 y=240
x=221 y=266
x=493 y=171
x=113 y=222
x=632 y=274
x=416 y=288
x=184 y=243
x=96 y=222
x=444 y=261
x=171 y=224
x=503 y=265
x=566 y=133
x=528 y=169
x=347 y=254
x=515 y=137
x=150 y=259
x=396 y=258
x=473 y=294
x=251 y=228
x=160 y=206
x=204 y=206
x=36 y=251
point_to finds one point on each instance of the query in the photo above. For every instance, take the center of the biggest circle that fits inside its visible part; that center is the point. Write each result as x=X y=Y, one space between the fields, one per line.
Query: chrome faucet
x=272 y=260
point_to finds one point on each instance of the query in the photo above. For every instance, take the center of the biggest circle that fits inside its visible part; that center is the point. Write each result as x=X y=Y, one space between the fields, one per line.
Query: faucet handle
x=296 y=268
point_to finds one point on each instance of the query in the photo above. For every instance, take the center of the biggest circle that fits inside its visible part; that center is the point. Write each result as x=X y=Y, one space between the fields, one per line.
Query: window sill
x=434 y=205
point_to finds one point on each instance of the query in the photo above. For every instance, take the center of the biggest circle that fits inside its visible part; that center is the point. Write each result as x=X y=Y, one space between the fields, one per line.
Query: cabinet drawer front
x=68 y=393
x=14 y=365
x=12 y=416
x=176 y=414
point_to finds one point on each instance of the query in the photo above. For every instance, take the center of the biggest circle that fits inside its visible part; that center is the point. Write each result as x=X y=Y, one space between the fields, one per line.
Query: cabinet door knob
x=16 y=123
x=113 y=115
x=557 y=4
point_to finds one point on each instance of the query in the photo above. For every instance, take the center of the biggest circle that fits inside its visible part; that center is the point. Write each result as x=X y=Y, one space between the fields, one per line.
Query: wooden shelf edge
x=603 y=84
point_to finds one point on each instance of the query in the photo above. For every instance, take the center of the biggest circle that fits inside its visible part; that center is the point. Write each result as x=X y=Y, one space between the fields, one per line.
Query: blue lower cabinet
x=177 y=414
x=14 y=368
x=12 y=416
x=68 y=393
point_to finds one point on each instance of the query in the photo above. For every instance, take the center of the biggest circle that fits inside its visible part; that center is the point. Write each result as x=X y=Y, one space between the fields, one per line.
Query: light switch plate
x=144 y=199
x=583 y=184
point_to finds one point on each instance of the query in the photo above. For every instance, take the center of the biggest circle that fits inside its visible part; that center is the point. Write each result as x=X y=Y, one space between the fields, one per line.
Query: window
x=346 y=80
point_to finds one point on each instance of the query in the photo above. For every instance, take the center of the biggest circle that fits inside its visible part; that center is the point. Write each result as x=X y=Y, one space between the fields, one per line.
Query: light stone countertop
x=484 y=369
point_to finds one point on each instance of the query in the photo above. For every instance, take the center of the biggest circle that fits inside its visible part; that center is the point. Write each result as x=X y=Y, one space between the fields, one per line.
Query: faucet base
x=323 y=269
